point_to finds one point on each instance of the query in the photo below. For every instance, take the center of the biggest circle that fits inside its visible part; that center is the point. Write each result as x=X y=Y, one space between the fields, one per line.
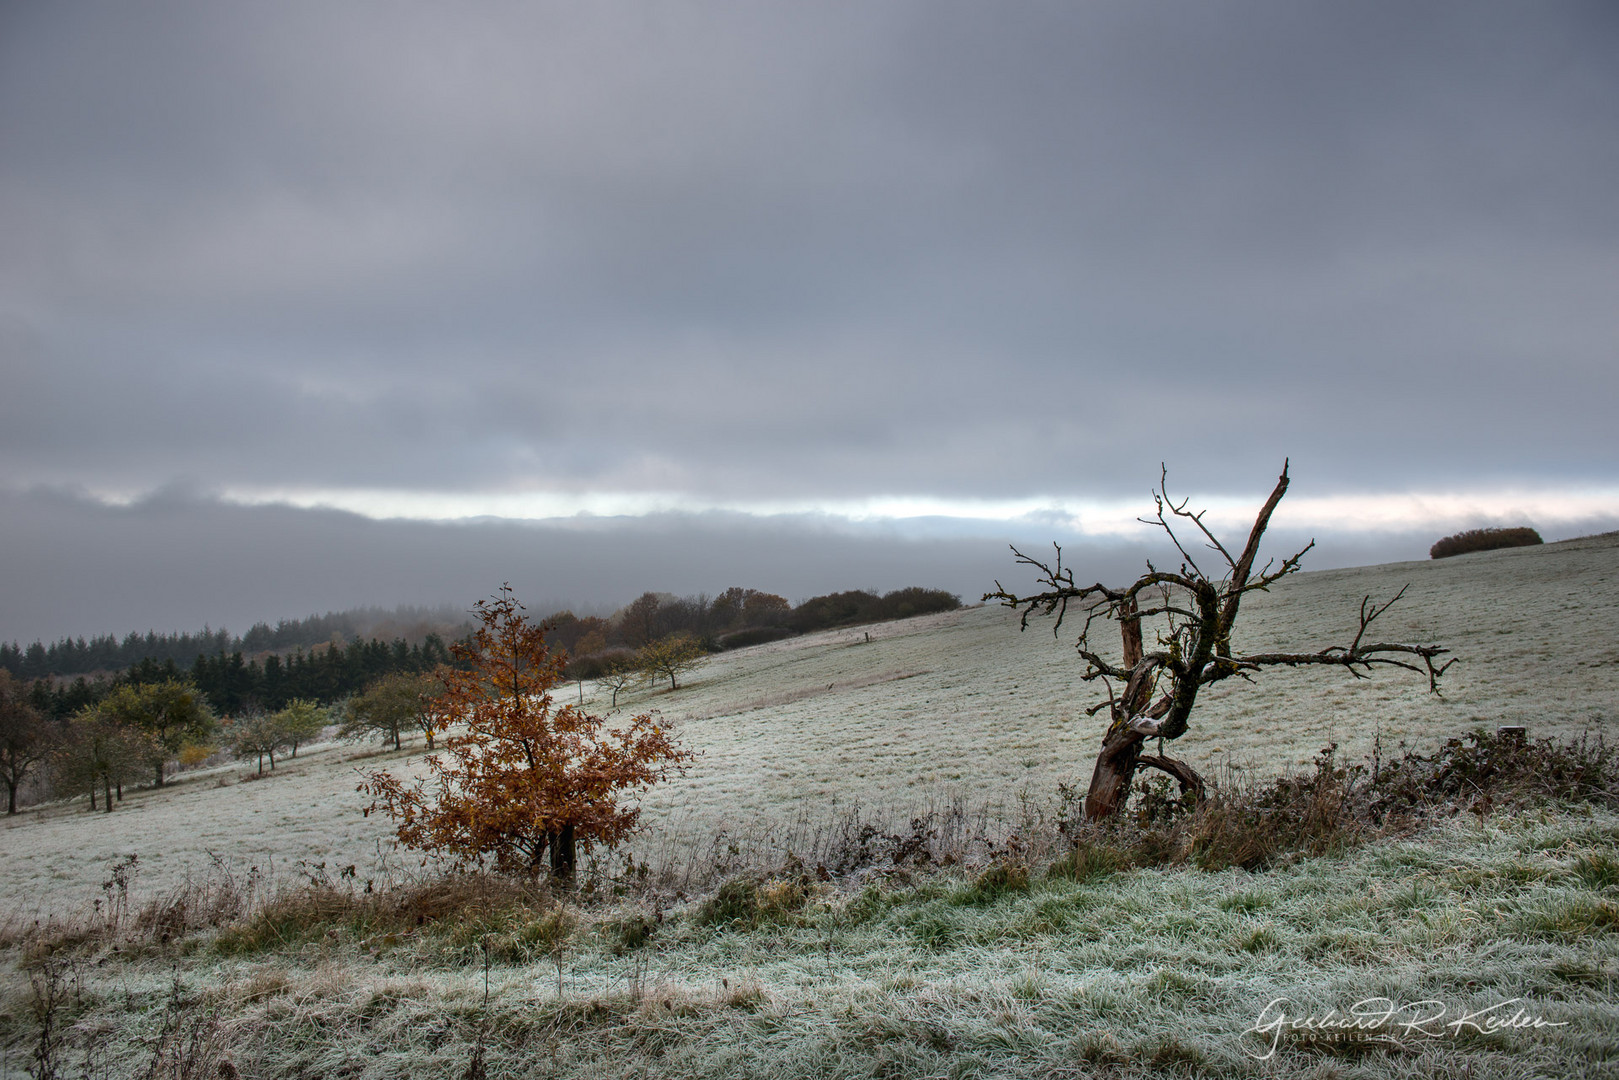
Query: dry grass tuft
x=1006 y=875
x=1250 y=825
x=467 y=910
x=749 y=902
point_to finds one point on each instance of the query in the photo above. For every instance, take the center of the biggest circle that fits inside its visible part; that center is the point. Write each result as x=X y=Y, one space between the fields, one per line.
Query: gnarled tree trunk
x=1115 y=769
x=1121 y=754
x=1194 y=650
x=1121 y=749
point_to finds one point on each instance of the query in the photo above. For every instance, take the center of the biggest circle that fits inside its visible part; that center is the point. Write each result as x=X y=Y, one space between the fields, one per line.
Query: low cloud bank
x=176 y=560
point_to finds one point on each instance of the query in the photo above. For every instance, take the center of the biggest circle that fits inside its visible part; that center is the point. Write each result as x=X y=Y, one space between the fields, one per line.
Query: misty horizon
x=588 y=566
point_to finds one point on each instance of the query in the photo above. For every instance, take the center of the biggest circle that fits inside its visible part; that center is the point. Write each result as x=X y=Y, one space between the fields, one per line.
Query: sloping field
x=953 y=707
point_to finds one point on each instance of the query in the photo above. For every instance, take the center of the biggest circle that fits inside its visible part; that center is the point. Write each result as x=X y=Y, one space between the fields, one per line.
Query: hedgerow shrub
x=1500 y=770
x=1249 y=827
x=1337 y=806
x=598 y=664
x=859 y=606
x=756 y=635
x=1484 y=540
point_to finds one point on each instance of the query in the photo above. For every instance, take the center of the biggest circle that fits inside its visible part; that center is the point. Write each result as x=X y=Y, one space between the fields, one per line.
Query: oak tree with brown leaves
x=1151 y=693
x=521 y=779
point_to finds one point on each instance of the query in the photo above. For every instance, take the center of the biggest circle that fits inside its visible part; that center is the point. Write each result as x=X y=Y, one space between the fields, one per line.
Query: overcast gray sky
x=312 y=305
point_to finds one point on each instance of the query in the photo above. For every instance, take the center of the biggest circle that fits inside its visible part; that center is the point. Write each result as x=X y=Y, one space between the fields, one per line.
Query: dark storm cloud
x=808 y=251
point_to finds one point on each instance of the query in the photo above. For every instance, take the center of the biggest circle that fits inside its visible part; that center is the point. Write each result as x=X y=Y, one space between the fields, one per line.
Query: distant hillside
x=722 y=621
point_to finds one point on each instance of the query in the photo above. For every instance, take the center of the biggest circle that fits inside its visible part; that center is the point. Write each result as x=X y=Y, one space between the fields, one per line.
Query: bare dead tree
x=1150 y=695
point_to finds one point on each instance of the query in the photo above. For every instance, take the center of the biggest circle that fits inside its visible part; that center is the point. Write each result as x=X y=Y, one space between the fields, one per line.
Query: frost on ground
x=951 y=708
x=1138 y=973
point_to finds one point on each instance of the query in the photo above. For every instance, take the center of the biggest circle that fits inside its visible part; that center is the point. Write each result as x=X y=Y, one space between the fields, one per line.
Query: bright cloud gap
x=1562 y=512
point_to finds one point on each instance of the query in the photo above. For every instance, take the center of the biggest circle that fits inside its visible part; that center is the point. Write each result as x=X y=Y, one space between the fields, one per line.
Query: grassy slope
x=953 y=707
x=1138 y=972
x=1148 y=972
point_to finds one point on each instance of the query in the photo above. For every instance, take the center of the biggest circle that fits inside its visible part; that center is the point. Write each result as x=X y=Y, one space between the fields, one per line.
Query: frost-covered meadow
x=1034 y=967
x=954 y=708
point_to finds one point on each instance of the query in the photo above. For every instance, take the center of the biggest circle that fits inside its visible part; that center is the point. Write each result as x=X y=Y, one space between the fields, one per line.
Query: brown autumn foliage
x=520 y=777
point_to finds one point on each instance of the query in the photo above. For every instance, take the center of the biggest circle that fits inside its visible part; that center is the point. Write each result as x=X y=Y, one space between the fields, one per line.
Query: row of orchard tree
x=97 y=737
x=618 y=670
x=140 y=728
x=135 y=733
x=130 y=733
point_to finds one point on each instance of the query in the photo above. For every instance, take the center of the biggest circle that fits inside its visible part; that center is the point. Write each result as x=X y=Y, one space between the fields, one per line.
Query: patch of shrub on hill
x=1484 y=540
x=859 y=606
x=598 y=664
x=756 y=635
